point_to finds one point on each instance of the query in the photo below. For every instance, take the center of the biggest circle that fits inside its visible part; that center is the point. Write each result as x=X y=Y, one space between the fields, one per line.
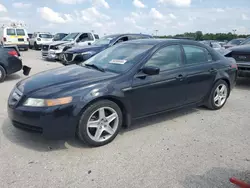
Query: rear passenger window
x=20 y=32
x=195 y=54
x=11 y=32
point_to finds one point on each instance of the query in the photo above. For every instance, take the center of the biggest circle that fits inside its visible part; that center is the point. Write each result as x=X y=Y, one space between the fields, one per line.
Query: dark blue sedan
x=79 y=54
x=125 y=82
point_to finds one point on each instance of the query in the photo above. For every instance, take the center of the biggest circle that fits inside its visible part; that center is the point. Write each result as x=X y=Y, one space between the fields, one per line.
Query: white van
x=14 y=36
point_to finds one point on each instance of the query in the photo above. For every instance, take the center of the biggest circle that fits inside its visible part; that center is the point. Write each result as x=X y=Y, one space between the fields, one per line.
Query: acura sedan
x=131 y=80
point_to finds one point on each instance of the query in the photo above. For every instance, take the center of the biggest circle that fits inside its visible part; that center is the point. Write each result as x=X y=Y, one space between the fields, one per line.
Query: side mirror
x=151 y=70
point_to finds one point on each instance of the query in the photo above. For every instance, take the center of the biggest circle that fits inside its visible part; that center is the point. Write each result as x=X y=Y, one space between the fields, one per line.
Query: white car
x=53 y=50
x=40 y=38
x=12 y=35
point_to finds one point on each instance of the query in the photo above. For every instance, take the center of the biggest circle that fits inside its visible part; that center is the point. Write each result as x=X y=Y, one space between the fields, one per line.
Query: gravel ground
x=187 y=148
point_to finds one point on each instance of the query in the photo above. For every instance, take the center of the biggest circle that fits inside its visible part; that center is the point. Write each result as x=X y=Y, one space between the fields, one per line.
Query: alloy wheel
x=102 y=124
x=220 y=95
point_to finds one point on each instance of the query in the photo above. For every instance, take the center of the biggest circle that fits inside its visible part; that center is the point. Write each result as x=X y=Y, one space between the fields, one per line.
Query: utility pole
x=156 y=31
x=92 y=31
x=234 y=31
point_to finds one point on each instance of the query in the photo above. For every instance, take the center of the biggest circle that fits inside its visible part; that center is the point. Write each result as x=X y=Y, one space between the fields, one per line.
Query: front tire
x=218 y=96
x=2 y=74
x=100 y=123
x=36 y=46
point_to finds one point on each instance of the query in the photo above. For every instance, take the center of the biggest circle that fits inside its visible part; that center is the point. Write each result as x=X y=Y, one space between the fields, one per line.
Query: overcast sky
x=119 y=16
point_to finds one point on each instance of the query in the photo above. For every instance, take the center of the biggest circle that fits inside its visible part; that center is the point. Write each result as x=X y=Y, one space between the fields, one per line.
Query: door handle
x=180 y=77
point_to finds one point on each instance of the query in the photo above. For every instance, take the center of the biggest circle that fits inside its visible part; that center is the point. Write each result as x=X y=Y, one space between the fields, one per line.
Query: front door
x=156 y=93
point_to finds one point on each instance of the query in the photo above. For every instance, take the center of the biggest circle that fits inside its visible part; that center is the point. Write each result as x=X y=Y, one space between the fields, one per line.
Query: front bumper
x=52 y=123
x=243 y=69
x=51 y=54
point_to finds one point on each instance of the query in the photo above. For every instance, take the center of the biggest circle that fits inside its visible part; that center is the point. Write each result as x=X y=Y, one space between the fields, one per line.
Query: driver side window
x=166 y=58
x=123 y=39
x=83 y=37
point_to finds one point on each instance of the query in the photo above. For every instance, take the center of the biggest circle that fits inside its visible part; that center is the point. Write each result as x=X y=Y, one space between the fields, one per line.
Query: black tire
x=82 y=127
x=30 y=47
x=211 y=103
x=26 y=49
x=3 y=74
x=36 y=46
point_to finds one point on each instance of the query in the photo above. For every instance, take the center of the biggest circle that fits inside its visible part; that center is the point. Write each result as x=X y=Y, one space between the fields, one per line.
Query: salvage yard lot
x=187 y=148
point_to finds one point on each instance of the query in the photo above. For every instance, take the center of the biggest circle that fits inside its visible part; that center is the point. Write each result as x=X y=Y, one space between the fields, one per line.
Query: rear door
x=11 y=37
x=200 y=70
x=22 y=37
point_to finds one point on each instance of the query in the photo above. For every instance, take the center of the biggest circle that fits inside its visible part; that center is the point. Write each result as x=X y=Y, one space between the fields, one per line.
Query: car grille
x=15 y=97
x=45 y=47
x=241 y=57
x=27 y=127
x=53 y=47
x=68 y=57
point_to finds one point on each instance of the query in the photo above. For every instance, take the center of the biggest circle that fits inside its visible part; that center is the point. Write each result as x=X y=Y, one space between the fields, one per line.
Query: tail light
x=13 y=53
x=4 y=39
x=28 y=39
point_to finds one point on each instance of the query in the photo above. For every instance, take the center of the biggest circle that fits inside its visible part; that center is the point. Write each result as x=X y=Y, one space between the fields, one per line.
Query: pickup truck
x=53 y=50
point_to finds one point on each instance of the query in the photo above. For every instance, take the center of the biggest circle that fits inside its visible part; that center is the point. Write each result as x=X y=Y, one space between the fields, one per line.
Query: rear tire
x=2 y=74
x=218 y=96
x=100 y=123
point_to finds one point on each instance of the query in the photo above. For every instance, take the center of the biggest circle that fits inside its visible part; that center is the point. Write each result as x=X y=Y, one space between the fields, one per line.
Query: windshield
x=70 y=37
x=103 y=41
x=247 y=41
x=119 y=58
x=235 y=41
x=46 y=36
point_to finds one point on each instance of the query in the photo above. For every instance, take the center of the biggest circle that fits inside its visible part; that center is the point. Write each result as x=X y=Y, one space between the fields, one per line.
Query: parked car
x=127 y=81
x=215 y=45
x=14 y=35
x=53 y=50
x=38 y=39
x=59 y=36
x=10 y=61
x=241 y=54
x=246 y=41
x=78 y=54
x=30 y=35
x=234 y=42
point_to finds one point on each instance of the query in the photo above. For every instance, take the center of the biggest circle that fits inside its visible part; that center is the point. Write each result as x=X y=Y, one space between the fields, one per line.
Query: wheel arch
x=125 y=113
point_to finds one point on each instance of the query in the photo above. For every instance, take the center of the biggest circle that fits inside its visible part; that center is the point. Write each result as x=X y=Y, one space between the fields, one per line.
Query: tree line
x=198 y=35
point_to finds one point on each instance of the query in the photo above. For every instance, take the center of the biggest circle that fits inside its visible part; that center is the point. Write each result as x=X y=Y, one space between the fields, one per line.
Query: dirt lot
x=187 y=148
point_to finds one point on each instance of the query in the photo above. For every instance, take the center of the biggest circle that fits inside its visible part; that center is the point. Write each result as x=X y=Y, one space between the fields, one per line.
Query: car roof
x=163 y=41
x=119 y=35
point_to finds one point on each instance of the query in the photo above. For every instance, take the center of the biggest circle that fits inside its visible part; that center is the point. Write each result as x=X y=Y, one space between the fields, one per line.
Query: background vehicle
x=246 y=41
x=241 y=54
x=127 y=81
x=38 y=39
x=30 y=35
x=53 y=50
x=234 y=42
x=77 y=54
x=10 y=61
x=59 y=36
x=14 y=35
x=215 y=45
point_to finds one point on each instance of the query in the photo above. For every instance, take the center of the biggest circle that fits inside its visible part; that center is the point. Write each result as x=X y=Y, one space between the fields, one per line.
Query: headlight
x=47 y=102
x=88 y=53
x=59 y=47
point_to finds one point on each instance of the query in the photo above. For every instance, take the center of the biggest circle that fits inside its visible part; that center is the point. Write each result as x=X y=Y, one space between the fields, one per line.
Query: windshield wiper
x=95 y=67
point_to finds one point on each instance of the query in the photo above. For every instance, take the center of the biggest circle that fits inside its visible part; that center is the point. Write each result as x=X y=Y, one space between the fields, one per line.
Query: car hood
x=241 y=48
x=56 y=43
x=81 y=49
x=53 y=80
